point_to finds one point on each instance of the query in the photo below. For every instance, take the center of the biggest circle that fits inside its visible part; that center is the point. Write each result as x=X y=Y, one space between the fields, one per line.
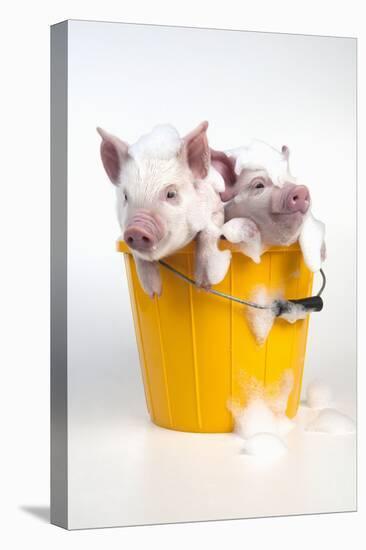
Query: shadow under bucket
x=194 y=347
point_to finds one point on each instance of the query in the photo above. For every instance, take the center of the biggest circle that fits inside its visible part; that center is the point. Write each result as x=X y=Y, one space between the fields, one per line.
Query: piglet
x=264 y=205
x=168 y=195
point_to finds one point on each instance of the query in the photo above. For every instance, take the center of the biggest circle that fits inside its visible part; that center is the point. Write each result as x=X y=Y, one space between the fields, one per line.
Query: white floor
x=133 y=472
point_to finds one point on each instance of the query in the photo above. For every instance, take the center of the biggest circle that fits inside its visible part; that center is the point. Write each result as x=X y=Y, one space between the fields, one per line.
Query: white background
x=25 y=363
x=297 y=90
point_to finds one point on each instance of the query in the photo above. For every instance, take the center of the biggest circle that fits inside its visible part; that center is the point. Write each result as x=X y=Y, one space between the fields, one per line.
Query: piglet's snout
x=290 y=199
x=143 y=232
x=298 y=199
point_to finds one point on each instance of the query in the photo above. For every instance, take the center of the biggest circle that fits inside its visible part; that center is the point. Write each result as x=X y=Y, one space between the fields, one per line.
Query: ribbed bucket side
x=196 y=349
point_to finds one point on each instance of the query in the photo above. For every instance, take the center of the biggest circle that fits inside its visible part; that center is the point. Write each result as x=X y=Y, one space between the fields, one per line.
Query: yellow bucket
x=194 y=347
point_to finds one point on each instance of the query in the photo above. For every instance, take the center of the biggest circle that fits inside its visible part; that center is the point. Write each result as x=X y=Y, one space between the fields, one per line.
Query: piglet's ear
x=113 y=152
x=225 y=166
x=197 y=151
x=285 y=152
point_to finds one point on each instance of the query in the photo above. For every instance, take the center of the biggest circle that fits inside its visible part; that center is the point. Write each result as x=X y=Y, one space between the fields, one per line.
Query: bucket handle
x=279 y=307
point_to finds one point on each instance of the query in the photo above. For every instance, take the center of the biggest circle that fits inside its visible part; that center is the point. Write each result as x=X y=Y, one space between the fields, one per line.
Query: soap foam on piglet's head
x=258 y=155
x=164 y=199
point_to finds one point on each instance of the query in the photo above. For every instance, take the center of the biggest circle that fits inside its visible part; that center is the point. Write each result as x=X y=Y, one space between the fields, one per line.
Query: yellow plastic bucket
x=194 y=347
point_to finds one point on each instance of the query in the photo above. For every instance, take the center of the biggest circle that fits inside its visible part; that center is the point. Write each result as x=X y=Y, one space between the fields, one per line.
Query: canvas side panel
x=59 y=274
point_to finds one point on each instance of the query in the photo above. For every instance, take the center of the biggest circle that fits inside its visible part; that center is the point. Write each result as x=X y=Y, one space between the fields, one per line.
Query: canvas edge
x=59 y=431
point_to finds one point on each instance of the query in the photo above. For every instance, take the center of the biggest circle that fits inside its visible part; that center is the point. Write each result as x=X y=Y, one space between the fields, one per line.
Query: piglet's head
x=279 y=212
x=155 y=181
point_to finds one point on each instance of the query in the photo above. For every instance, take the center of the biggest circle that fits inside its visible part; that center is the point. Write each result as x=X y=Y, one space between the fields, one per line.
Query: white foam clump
x=284 y=425
x=278 y=398
x=256 y=418
x=163 y=142
x=258 y=155
x=262 y=422
x=261 y=320
x=311 y=242
x=294 y=313
x=332 y=422
x=318 y=395
x=265 y=445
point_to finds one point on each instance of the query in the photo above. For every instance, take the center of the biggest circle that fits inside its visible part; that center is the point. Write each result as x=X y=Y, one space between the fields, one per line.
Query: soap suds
x=284 y=425
x=311 y=242
x=318 y=395
x=261 y=320
x=294 y=312
x=255 y=418
x=279 y=393
x=332 y=422
x=260 y=416
x=259 y=155
x=163 y=143
x=262 y=421
x=265 y=445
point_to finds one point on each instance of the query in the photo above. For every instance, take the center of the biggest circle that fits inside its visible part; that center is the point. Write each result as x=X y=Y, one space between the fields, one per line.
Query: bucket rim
x=121 y=246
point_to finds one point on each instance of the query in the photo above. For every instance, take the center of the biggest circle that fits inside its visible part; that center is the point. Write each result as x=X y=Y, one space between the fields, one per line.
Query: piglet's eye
x=258 y=183
x=125 y=196
x=170 y=194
